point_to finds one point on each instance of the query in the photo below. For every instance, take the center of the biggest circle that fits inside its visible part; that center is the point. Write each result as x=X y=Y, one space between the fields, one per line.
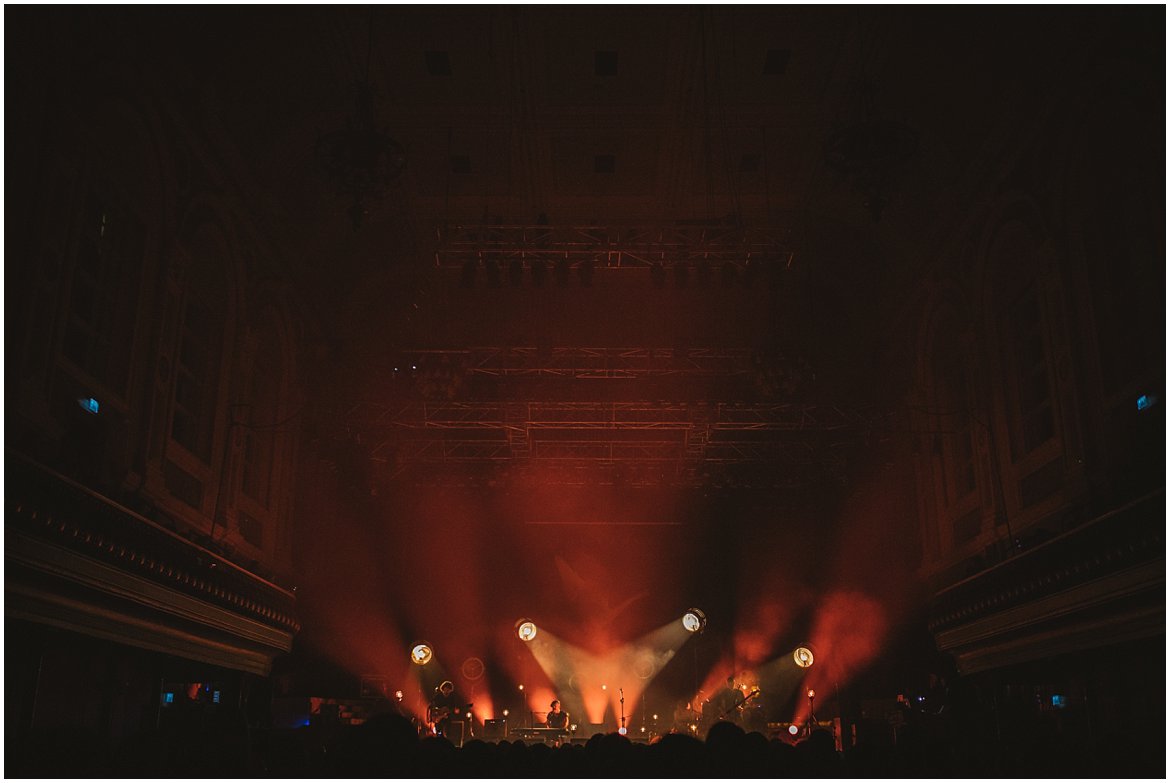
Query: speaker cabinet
x=495 y=730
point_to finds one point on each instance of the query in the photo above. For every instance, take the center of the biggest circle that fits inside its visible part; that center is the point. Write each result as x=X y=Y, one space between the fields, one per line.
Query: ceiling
x=807 y=150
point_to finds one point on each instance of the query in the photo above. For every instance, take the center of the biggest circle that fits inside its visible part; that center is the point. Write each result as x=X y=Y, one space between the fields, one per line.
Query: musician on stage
x=726 y=703
x=556 y=719
x=445 y=704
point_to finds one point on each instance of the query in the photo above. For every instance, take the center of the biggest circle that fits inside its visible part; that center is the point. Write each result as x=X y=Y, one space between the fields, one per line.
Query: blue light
x=215 y=697
x=169 y=698
x=1146 y=401
x=1059 y=702
x=88 y=404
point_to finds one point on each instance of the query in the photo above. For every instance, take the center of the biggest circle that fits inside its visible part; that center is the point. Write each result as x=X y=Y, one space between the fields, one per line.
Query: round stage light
x=803 y=657
x=421 y=654
x=398 y=695
x=526 y=630
x=694 y=620
x=811 y=693
x=793 y=729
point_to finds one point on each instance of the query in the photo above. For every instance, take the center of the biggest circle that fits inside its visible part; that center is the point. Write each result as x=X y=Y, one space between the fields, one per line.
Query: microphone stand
x=622 y=699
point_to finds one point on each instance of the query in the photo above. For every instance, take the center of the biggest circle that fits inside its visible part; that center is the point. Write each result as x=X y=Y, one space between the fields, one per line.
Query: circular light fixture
x=793 y=729
x=421 y=654
x=694 y=620
x=811 y=693
x=623 y=731
x=526 y=630
x=803 y=657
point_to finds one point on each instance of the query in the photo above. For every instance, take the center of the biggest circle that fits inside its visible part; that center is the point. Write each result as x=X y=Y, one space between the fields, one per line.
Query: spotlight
x=421 y=654
x=398 y=695
x=694 y=620
x=521 y=686
x=526 y=630
x=811 y=693
x=623 y=731
x=505 y=713
x=803 y=657
x=793 y=729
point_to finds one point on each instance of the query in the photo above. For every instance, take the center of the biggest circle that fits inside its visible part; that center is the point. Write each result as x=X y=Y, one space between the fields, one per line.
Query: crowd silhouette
x=388 y=746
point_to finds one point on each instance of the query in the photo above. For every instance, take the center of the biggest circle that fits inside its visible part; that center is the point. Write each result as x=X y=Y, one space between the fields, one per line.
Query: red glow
x=596 y=702
x=849 y=633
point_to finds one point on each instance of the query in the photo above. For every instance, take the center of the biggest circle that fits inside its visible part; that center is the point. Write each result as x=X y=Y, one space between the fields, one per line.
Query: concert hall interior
x=778 y=388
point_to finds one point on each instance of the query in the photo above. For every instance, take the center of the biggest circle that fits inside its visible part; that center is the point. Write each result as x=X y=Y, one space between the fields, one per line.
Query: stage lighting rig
x=694 y=620
x=421 y=654
x=526 y=630
x=803 y=657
